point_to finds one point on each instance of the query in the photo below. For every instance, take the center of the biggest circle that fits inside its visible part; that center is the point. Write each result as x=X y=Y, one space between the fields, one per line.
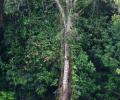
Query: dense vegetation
x=31 y=58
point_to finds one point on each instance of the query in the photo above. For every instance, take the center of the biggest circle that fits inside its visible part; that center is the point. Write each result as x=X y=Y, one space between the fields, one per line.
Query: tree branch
x=60 y=9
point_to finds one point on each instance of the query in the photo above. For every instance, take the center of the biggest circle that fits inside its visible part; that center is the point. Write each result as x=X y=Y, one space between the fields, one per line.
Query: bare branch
x=74 y=2
x=60 y=9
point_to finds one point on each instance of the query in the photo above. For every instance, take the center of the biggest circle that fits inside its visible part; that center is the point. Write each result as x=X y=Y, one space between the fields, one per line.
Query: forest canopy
x=59 y=49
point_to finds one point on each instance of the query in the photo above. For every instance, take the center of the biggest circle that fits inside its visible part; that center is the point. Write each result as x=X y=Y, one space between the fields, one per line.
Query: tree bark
x=66 y=74
x=67 y=24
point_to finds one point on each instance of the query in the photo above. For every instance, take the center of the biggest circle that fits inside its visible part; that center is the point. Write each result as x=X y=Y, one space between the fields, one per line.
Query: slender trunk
x=66 y=73
x=66 y=18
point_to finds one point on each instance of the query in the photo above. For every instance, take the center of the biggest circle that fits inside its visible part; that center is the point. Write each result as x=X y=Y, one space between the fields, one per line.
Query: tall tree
x=66 y=18
x=67 y=15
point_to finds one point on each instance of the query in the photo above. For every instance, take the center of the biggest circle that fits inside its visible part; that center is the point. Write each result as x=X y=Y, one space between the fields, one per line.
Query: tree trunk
x=66 y=73
x=66 y=18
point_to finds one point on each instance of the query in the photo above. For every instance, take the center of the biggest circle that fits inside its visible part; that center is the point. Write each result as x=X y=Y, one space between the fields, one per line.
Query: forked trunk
x=67 y=24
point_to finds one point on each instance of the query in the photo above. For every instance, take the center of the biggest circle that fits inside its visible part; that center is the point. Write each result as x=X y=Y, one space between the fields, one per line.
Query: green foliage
x=83 y=76
x=11 y=6
x=6 y=95
x=30 y=61
x=31 y=47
